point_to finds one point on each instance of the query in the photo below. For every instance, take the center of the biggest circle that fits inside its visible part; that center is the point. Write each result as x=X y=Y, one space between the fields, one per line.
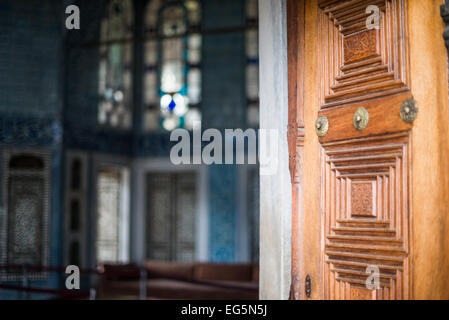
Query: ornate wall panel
x=366 y=222
x=21 y=130
x=24 y=222
x=358 y=63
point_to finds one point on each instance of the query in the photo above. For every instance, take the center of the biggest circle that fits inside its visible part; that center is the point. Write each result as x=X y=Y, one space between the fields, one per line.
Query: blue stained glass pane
x=172 y=105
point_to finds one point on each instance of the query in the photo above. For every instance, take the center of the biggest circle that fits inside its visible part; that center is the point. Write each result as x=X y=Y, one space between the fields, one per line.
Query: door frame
x=275 y=190
x=82 y=195
x=140 y=169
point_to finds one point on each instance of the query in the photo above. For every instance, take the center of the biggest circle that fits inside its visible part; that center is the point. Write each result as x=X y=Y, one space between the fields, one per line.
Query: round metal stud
x=409 y=110
x=361 y=119
x=322 y=126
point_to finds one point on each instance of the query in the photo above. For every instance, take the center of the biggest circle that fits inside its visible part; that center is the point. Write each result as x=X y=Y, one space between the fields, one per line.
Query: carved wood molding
x=295 y=128
x=296 y=47
x=359 y=63
x=365 y=200
x=295 y=136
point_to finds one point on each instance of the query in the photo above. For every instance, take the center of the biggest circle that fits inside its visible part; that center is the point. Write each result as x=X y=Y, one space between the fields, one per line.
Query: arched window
x=115 y=74
x=172 y=77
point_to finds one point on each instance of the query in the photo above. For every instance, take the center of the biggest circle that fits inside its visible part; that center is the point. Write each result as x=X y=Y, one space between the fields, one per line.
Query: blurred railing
x=65 y=294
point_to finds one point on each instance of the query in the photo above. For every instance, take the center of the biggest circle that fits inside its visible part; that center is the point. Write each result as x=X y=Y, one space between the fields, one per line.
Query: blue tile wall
x=224 y=100
x=30 y=57
x=81 y=107
x=224 y=105
x=31 y=98
x=222 y=213
x=219 y=14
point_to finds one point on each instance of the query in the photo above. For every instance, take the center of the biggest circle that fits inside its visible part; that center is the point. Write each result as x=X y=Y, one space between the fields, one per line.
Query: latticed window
x=252 y=63
x=115 y=108
x=24 y=220
x=172 y=77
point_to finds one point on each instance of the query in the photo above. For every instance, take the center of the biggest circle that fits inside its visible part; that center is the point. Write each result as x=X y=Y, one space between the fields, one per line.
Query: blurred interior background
x=85 y=122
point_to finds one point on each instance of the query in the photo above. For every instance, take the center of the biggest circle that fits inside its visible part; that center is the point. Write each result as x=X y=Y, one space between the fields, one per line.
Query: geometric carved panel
x=366 y=216
x=357 y=63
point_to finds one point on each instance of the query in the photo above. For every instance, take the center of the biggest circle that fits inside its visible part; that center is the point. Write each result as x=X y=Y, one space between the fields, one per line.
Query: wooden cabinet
x=370 y=181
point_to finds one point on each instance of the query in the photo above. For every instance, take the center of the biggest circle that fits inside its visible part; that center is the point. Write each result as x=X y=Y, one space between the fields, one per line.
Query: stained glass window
x=172 y=78
x=252 y=63
x=115 y=65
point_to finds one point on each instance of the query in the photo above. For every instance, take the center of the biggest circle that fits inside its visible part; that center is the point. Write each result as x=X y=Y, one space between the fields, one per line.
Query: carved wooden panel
x=359 y=202
x=359 y=63
x=366 y=216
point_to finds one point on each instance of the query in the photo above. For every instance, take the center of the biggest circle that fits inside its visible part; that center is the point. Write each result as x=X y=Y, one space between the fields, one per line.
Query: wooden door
x=368 y=143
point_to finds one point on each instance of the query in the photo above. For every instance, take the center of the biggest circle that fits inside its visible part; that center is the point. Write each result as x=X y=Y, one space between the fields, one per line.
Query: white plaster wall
x=275 y=190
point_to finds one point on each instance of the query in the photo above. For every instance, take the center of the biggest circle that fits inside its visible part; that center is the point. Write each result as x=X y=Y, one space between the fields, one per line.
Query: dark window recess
x=74 y=215
x=74 y=253
x=75 y=183
x=26 y=162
